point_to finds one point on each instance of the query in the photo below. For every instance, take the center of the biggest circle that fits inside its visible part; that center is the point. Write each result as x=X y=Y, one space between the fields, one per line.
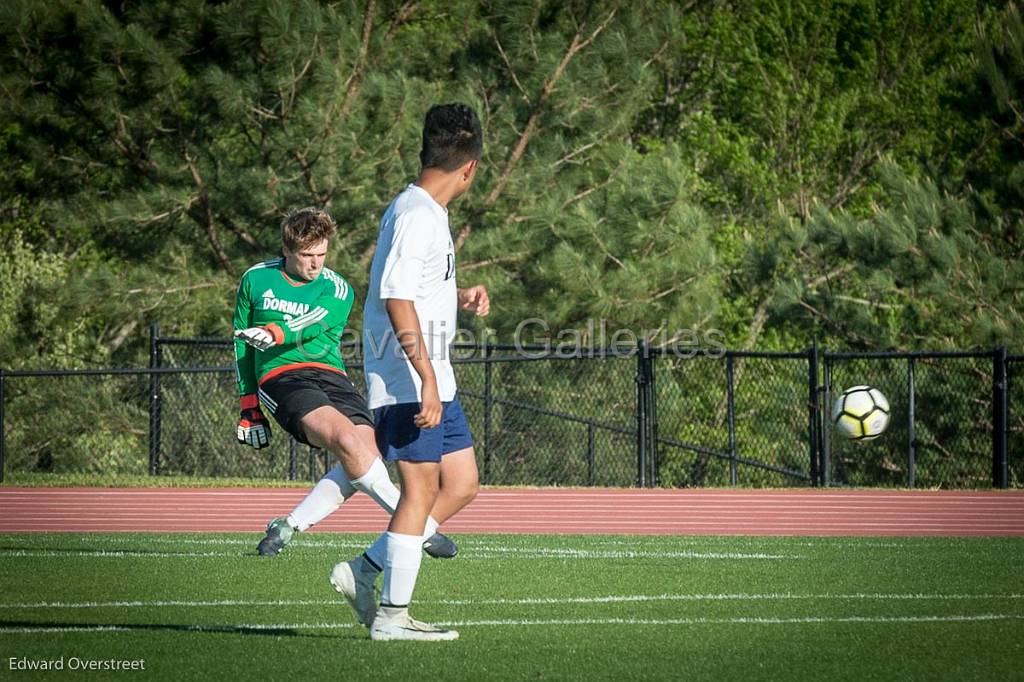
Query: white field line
x=477 y=545
x=167 y=603
x=65 y=628
x=815 y=620
x=607 y=599
x=729 y=597
x=229 y=628
x=482 y=545
x=745 y=620
x=825 y=542
x=106 y=554
x=622 y=554
x=158 y=506
x=519 y=554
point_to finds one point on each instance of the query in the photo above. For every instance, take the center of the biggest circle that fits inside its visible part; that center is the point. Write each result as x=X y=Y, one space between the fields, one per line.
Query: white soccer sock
x=325 y=497
x=377 y=553
x=401 y=568
x=377 y=484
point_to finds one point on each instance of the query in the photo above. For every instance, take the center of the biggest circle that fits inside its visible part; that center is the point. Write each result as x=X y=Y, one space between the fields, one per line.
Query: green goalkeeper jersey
x=306 y=320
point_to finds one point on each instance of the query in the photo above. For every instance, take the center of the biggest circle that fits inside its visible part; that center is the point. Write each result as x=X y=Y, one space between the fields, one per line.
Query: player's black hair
x=305 y=227
x=452 y=135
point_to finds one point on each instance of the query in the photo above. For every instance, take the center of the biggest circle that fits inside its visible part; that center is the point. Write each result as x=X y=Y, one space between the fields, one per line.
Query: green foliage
x=773 y=172
x=75 y=424
x=663 y=167
x=921 y=267
x=767 y=173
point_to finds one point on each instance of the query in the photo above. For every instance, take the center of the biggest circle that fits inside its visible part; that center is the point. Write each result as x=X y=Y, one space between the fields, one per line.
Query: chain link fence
x=539 y=416
x=1015 y=420
x=552 y=420
x=733 y=419
x=194 y=434
x=88 y=422
x=940 y=429
x=537 y=419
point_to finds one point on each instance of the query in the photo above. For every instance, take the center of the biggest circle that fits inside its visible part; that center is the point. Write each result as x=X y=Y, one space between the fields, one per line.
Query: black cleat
x=279 y=534
x=440 y=546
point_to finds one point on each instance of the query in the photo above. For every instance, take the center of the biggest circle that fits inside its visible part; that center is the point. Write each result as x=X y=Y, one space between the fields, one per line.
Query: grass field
x=527 y=607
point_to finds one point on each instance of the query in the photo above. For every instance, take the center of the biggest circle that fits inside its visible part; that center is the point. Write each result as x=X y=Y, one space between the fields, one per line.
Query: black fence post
x=813 y=414
x=1000 y=390
x=590 y=454
x=652 y=419
x=826 y=423
x=641 y=414
x=911 y=434
x=488 y=411
x=3 y=436
x=154 y=399
x=730 y=402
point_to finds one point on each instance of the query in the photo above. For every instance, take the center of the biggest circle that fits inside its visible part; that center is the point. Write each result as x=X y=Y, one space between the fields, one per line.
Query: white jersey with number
x=414 y=261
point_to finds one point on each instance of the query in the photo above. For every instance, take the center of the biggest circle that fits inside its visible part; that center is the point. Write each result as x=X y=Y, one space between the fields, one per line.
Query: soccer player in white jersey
x=408 y=327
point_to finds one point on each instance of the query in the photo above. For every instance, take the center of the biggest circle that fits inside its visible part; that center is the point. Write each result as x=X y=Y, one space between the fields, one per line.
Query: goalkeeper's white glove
x=257 y=337
x=253 y=427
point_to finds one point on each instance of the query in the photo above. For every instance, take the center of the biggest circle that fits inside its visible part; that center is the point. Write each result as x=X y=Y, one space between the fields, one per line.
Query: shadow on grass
x=45 y=627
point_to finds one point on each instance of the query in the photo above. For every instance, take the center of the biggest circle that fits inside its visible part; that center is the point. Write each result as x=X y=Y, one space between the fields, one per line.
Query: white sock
x=325 y=497
x=401 y=568
x=377 y=484
x=377 y=553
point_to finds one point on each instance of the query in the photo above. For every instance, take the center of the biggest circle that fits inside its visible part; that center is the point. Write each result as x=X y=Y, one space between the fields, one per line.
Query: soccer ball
x=861 y=413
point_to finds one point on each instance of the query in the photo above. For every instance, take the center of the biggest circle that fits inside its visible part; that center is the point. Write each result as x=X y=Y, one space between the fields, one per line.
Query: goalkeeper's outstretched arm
x=253 y=427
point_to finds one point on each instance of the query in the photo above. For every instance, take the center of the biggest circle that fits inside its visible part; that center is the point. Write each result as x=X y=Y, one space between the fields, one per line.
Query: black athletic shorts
x=292 y=395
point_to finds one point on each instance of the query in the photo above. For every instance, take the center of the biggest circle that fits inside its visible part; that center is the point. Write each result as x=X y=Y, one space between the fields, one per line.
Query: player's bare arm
x=406 y=324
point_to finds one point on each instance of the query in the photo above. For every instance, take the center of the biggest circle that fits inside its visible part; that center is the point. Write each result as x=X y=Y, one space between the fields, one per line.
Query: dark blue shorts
x=399 y=438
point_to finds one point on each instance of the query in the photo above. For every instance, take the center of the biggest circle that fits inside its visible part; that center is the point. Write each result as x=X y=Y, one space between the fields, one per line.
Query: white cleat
x=356 y=585
x=395 y=623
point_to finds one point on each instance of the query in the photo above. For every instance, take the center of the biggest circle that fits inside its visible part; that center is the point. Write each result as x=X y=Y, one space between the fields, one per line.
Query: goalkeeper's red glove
x=253 y=427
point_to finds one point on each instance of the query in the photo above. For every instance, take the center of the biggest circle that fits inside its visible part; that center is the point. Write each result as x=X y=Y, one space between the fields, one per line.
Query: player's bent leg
x=459 y=484
x=328 y=429
x=323 y=500
x=436 y=545
x=355 y=448
x=420 y=484
x=376 y=482
x=354 y=579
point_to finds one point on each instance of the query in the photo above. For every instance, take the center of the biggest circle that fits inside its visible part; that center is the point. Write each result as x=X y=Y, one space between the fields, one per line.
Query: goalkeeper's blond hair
x=305 y=227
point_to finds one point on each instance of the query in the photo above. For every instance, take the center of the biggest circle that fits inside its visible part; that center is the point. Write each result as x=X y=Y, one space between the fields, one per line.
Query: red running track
x=532 y=510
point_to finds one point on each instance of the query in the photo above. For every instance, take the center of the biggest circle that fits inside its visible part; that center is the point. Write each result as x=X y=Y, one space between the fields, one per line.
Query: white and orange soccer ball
x=861 y=413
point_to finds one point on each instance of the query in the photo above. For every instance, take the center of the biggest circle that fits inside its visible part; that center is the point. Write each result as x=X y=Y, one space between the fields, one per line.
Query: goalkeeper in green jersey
x=290 y=313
